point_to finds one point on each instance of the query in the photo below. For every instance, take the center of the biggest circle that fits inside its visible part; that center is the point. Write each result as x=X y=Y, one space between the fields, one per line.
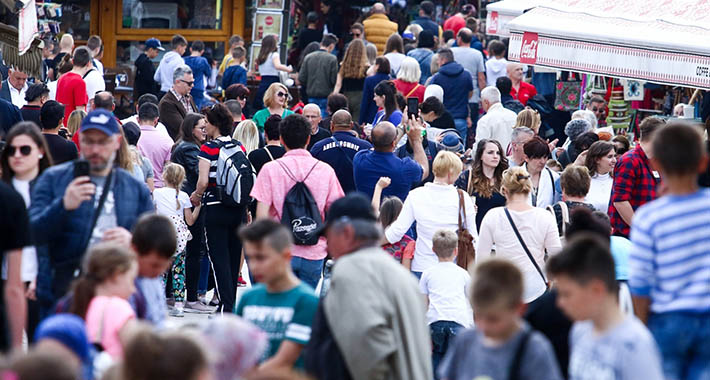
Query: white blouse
x=600 y=191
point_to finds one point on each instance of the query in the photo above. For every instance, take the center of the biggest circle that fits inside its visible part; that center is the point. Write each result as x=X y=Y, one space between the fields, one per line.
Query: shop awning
x=500 y=13
x=660 y=41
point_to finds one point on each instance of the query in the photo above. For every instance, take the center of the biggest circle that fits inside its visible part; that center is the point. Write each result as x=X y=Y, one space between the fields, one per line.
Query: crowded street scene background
x=379 y=195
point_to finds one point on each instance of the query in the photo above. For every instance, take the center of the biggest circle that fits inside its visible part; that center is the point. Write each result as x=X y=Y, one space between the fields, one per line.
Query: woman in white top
x=543 y=181
x=269 y=65
x=536 y=226
x=394 y=52
x=600 y=160
x=434 y=206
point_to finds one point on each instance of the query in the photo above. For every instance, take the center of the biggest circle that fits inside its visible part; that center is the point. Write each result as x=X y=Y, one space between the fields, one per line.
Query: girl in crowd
x=386 y=99
x=74 y=121
x=247 y=133
x=276 y=102
x=483 y=180
x=24 y=158
x=379 y=72
x=388 y=211
x=269 y=67
x=351 y=76
x=394 y=52
x=600 y=160
x=520 y=232
x=175 y=204
x=407 y=82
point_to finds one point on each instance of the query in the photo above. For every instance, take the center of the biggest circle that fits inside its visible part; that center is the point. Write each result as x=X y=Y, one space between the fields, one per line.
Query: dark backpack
x=235 y=176
x=300 y=210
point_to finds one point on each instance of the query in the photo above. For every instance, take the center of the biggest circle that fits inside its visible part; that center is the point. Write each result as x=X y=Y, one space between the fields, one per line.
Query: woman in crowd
x=351 y=77
x=386 y=99
x=574 y=129
x=535 y=227
x=575 y=186
x=126 y=160
x=247 y=133
x=24 y=158
x=221 y=220
x=276 y=102
x=530 y=118
x=394 y=52
x=368 y=107
x=240 y=93
x=407 y=82
x=74 y=121
x=417 y=208
x=621 y=145
x=600 y=161
x=543 y=190
x=269 y=67
x=483 y=181
x=186 y=153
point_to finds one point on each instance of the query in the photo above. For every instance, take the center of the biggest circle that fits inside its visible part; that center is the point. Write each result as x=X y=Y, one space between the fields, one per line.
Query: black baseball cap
x=354 y=206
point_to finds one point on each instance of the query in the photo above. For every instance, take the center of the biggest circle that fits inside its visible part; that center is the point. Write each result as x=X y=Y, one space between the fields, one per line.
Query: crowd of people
x=415 y=216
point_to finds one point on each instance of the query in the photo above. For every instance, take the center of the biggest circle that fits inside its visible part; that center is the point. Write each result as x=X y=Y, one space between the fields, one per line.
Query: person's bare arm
x=625 y=211
x=192 y=215
x=338 y=83
x=381 y=184
x=481 y=80
x=642 y=306
x=414 y=135
x=15 y=297
x=262 y=210
x=279 y=66
x=285 y=357
x=202 y=181
x=150 y=182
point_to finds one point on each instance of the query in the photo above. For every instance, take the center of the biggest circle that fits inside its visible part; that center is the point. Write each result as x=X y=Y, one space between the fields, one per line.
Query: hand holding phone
x=412 y=107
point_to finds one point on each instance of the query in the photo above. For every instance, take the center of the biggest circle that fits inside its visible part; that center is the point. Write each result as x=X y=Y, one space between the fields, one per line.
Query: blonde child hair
x=174 y=176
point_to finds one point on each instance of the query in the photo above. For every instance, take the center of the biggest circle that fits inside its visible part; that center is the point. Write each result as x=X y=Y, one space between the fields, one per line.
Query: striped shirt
x=670 y=259
x=210 y=152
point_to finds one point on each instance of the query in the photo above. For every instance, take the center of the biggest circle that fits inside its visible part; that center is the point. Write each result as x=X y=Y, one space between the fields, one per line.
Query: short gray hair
x=181 y=71
x=491 y=94
x=521 y=131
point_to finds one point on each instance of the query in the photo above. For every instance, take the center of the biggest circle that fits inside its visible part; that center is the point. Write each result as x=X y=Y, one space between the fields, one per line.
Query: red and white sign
x=493 y=23
x=528 y=49
x=269 y=20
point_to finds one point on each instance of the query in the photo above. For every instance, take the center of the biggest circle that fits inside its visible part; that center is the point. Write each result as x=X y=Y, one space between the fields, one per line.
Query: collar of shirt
x=147 y=128
x=297 y=153
x=494 y=107
x=22 y=90
x=177 y=96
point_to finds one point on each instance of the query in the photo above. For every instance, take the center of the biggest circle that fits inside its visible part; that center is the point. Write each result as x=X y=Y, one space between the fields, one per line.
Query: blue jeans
x=418 y=275
x=442 y=334
x=461 y=128
x=322 y=103
x=684 y=342
x=306 y=270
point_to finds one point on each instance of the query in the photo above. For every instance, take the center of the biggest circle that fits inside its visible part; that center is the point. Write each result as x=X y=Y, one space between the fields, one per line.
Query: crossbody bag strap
x=412 y=90
x=462 y=210
x=525 y=247
x=514 y=372
x=565 y=216
x=269 y=153
x=102 y=200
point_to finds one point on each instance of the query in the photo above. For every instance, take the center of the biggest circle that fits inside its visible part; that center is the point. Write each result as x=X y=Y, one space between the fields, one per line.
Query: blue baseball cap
x=154 y=43
x=101 y=120
x=69 y=330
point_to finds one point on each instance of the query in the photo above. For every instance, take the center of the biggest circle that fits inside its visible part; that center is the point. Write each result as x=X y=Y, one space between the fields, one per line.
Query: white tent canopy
x=660 y=41
x=500 y=13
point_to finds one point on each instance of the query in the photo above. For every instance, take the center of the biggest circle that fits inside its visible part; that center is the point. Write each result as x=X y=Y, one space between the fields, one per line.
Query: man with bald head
x=371 y=165
x=521 y=91
x=313 y=114
x=339 y=149
x=378 y=27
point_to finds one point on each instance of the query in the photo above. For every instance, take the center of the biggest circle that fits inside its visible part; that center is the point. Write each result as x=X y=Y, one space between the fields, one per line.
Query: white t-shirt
x=164 y=200
x=445 y=284
x=94 y=83
x=600 y=191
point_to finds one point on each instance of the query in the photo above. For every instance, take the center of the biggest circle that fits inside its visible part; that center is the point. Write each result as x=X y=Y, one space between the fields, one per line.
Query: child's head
x=584 y=276
x=497 y=298
x=389 y=211
x=174 y=175
x=679 y=150
x=267 y=244
x=444 y=244
x=151 y=355
x=154 y=241
x=108 y=265
x=238 y=53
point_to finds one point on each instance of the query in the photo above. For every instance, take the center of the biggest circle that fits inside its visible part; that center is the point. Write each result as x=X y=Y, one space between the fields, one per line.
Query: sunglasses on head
x=25 y=150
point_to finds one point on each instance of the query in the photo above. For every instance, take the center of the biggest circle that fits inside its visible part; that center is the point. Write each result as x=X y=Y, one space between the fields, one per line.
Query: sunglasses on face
x=191 y=83
x=243 y=97
x=280 y=94
x=25 y=150
x=356 y=35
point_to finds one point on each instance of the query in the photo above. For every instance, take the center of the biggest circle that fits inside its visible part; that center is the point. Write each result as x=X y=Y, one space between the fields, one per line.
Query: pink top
x=156 y=146
x=273 y=183
x=104 y=320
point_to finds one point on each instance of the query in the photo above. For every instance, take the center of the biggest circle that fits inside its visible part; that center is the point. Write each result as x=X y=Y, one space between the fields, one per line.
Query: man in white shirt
x=498 y=122
x=14 y=88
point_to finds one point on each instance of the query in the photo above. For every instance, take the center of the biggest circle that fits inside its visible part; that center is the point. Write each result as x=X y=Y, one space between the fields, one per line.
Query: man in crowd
x=66 y=47
x=319 y=71
x=426 y=13
x=61 y=149
x=504 y=86
x=36 y=95
x=94 y=78
x=357 y=32
x=311 y=33
x=143 y=99
x=458 y=21
x=9 y=115
x=458 y=88
x=177 y=102
x=144 y=82
x=71 y=88
x=171 y=60
x=378 y=27
x=70 y=214
x=471 y=60
x=333 y=19
x=278 y=177
x=338 y=150
x=312 y=113
x=14 y=87
x=635 y=179
x=373 y=306
x=200 y=70
x=95 y=44
x=521 y=90
x=597 y=104
x=518 y=138
x=423 y=54
x=497 y=123
x=370 y=165
x=153 y=144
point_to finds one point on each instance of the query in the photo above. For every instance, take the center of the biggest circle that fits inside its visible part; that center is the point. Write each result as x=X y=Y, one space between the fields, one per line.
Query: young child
x=445 y=285
x=403 y=250
x=670 y=259
x=605 y=344
x=235 y=72
x=501 y=346
x=175 y=204
x=280 y=304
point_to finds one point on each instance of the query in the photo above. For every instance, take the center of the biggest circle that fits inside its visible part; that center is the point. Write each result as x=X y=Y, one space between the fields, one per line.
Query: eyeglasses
x=243 y=97
x=311 y=116
x=189 y=83
x=356 y=35
x=25 y=150
x=280 y=94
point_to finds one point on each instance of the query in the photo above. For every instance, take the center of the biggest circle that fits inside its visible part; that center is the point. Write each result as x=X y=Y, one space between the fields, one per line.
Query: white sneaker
x=198 y=307
x=177 y=311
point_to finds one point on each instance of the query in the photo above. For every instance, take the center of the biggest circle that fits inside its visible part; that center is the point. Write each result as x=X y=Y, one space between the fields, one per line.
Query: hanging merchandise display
x=633 y=89
x=567 y=93
x=619 y=116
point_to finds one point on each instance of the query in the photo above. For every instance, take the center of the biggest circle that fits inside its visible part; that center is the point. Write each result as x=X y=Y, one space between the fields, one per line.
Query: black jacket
x=144 y=83
x=9 y=116
x=185 y=154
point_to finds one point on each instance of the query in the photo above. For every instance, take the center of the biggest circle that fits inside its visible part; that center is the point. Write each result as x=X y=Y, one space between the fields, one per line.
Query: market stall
x=500 y=13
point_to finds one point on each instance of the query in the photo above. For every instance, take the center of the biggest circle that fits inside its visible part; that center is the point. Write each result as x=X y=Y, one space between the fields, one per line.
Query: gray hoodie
x=495 y=68
x=164 y=73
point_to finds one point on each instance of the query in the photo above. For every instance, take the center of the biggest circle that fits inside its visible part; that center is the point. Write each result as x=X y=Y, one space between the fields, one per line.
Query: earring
x=41 y=156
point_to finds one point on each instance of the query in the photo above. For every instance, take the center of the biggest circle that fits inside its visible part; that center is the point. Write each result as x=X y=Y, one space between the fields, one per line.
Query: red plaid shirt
x=635 y=182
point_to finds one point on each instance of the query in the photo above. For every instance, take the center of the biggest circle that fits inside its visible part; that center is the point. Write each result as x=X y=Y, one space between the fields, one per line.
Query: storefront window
x=176 y=14
x=69 y=16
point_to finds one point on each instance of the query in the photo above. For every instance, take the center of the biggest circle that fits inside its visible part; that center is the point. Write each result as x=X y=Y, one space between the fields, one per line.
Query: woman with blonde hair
x=276 y=102
x=247 y=133
x=352 y=74
x=530 y=118
x=407 y=81
x=520 y=233
x=74 y=121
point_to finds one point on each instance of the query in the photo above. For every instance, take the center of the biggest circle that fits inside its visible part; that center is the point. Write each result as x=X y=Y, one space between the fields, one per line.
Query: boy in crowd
x=235 y=72
x=280 y=304
x=501 y=346
x=445 y=285
x=669 y=265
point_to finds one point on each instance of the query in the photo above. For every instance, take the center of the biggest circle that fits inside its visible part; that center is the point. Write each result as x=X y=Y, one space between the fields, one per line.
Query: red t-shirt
x=408 y=89
x=454 y=23
x=525 y=92
x=71 y=91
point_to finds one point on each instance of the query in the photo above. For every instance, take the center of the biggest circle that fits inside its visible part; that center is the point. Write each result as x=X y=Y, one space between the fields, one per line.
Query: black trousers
x=193 y=251
x=225 y=250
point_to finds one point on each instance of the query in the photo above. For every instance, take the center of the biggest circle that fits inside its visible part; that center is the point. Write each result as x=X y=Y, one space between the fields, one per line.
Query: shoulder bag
x=525 y=247
x=466 y=250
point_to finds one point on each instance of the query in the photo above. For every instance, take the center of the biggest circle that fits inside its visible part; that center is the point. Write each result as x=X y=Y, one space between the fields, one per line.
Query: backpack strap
x=266 y=148
x=87 y=73
x=514 y=372
x=293 y=177
x=552 y=183
x=565 y=216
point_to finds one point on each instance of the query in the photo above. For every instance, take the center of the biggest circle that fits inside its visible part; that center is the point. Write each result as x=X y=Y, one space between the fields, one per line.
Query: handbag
x=466 y=250
x=568 y=94
x=525 y=247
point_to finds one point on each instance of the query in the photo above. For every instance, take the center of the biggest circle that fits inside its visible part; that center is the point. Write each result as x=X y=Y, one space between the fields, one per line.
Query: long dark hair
x=478 y=182
x=188 y=124
x=30 y=129
x=387 y=89
x=596 y=151
x=268 y=46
